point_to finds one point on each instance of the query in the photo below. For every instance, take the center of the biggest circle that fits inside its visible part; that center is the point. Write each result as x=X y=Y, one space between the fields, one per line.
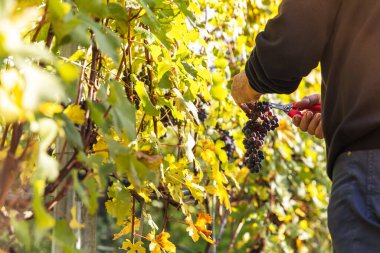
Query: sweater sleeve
x=291 y=45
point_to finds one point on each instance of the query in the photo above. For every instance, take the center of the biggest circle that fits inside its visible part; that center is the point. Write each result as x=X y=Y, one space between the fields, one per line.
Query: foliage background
x=96 y=121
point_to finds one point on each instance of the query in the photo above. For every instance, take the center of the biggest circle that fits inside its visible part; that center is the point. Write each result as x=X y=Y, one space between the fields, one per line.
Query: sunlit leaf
x=160 y=243
x=147 y=103
x=74 y=223
x=133 y=247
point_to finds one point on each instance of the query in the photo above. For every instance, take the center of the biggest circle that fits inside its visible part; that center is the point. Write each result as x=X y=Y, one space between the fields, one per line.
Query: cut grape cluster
x=261 y=121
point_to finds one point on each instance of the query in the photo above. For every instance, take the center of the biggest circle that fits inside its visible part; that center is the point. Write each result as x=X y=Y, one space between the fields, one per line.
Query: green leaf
x=118 y=12
x=158 y=31
x=58 y=9
x=190 y=69
x=97 y=111
x=94 y=7
x=135 y=170
x=187 y=105
x=72 y=133
x=80 y=190
x=92 y=191
x=64 y=237
x=162 y=68
x=81 y=35
x=107 y=41
x=144 y=97
x=119 y=202
x=145 y=34
x=183 y=6
x=47 y=166
x=62 y=25
x=165 y=82
x=122 y=112
x=22 y=231
x=44 y=220
x=150 y=13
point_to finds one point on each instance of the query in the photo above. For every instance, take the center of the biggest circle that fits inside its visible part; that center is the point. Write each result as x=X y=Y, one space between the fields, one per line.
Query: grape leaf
x=149 y=108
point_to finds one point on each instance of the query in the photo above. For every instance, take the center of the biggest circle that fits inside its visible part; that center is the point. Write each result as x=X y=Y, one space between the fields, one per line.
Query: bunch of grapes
x=261 y=121
x=229 y=141
x=127 y=87
x=202 y=112
x=143 y=76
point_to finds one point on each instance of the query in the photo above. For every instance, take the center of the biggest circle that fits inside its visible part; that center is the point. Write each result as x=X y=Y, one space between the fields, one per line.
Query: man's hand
x=311 y=123
x=241 y=91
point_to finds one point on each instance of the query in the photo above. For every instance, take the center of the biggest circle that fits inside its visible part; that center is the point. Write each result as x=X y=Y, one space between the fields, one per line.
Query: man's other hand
x=241 y=91
x=310 y=122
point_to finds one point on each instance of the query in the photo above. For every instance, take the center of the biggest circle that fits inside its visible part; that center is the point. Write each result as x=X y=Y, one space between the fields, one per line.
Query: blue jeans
x=354 y=208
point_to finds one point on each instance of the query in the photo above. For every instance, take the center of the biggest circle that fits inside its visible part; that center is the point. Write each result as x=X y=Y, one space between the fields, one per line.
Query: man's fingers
x=297 y=120
x=314 y=124
x=305 y=122
x=319 y=131
x=309 y=101
x=303 y=103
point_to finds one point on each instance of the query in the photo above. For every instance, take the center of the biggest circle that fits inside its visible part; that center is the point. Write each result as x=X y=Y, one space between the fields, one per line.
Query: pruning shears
x=292 y=110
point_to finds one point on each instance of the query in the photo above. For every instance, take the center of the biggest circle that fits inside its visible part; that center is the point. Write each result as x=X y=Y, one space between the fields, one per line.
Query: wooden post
x=86 y=237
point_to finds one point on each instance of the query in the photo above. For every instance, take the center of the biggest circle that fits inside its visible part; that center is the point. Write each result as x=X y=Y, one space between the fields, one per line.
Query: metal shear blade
x=286 y=108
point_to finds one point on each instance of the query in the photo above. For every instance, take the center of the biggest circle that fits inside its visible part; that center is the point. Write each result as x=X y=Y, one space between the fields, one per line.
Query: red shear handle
x=315 y=108
x=294 y=111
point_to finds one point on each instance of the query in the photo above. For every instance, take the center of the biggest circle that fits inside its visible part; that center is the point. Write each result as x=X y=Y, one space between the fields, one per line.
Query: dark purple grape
x=201 y=107
x=229 y=142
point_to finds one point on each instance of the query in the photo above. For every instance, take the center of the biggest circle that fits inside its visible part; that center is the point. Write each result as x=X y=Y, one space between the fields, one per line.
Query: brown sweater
x=344 y=36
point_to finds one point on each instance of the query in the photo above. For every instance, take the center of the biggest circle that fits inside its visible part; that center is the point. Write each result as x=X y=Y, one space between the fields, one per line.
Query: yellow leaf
x=101 y=147
x=299 y=243
x=127 y=229
x=201 y=225
x=160 y=242
x=303 y=225
x=193 y=231
x=211 y=189
x=49 y=109
x=220 y=180
x=219 y=92
x=74 y=224
x=220 y=151
x=9 y=110
x=145 y=193
x=76 y=114
x=68 y=71
x=300 y=213
x=133 y=247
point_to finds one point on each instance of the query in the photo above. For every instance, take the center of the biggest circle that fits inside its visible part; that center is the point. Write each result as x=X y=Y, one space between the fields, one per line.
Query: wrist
x=252 y=92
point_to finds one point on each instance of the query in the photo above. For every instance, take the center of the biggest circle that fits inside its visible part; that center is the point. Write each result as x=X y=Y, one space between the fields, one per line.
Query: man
x=344 y=36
